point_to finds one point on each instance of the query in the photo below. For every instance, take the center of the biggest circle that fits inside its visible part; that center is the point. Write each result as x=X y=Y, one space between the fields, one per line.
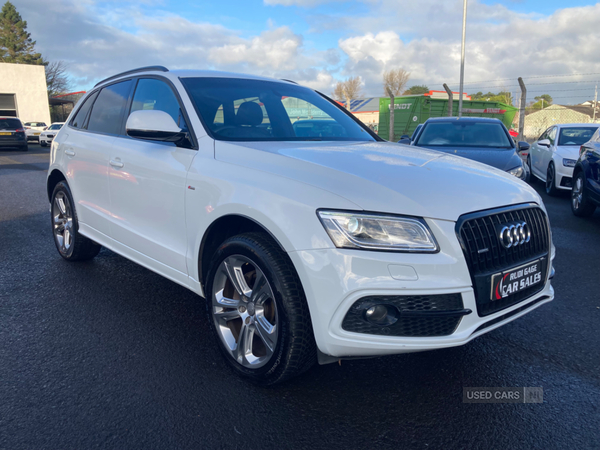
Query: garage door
x=8 y=106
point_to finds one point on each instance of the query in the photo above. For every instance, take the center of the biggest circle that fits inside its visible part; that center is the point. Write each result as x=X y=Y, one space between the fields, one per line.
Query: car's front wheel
x=551 y=181
x=257 y=310
x=580 y=203
x=71 y=245
x=43 y=143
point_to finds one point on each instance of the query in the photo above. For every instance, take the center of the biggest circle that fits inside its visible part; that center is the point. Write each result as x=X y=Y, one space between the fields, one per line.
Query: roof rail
x=289 y=81
x=129 y=72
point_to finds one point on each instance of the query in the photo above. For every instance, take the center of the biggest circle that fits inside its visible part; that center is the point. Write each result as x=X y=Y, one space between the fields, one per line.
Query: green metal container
x=411 y=110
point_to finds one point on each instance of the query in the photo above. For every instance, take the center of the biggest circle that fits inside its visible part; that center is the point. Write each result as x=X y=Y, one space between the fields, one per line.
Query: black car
x=585 y=196
x=480 y=139
x=12 y=133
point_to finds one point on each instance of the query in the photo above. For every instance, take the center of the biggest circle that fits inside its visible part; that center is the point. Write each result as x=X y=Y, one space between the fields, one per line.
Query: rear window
x=10 y=124
x=108 y=109
x=576 y=135
x=55 y=126
x=464 y=134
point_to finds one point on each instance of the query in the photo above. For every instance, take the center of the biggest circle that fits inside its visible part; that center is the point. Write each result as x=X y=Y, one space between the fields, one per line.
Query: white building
x=23 y=92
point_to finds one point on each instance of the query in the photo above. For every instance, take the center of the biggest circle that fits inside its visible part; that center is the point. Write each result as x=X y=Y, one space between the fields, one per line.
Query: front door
x=147 y=184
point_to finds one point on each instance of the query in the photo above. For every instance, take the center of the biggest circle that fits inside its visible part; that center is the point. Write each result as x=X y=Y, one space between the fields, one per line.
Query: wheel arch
x=222 y=229
x=55 y=177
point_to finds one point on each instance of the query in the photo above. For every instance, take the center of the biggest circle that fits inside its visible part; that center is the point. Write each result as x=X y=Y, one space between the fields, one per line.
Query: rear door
x=147 y=182
x=90 y=138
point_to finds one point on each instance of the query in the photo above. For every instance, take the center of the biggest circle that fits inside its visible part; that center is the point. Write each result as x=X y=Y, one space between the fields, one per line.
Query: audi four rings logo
x=514 y=233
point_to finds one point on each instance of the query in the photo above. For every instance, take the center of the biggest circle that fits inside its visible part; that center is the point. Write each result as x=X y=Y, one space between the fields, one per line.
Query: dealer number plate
x=515 y=280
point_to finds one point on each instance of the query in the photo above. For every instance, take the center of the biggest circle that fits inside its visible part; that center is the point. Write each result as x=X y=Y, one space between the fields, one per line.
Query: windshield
x=256 y=110
x=10 y=124
x=464 y=134
x=55 y=127
x=575 y=135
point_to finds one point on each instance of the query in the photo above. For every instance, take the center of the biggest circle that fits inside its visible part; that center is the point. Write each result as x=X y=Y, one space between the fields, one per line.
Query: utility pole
x=462 y=59
x=522 y=109
x=450 y=98
x=595 y=101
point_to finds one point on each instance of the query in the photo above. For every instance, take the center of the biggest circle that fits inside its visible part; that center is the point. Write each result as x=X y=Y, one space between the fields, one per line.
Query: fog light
x=382 y=315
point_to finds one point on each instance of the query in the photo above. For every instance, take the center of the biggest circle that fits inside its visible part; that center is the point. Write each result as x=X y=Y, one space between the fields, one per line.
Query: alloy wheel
x=244 y=311
x=577 y=193
x=62 y=215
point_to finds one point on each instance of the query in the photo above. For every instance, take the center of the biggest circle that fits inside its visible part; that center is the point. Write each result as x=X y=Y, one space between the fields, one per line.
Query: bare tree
x=57 y=78
x=394 y=82
x=348 y=90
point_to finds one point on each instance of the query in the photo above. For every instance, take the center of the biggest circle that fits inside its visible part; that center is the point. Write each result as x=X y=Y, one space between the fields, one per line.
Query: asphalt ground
x=106 y=354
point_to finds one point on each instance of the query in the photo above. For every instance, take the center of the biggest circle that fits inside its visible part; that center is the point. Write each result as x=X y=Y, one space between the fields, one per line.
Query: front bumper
x=334 y=279
x=564 y=176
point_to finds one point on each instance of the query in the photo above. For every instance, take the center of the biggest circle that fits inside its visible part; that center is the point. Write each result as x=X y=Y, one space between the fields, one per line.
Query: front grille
x=486 y=256
x=418 y=316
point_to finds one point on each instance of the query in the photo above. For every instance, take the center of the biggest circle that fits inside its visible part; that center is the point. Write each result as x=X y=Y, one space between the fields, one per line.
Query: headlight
x=569 y=162
x=518 y=172
x=378 y=232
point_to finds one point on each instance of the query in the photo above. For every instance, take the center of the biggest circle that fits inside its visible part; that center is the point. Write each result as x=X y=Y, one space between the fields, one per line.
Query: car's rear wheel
x=257 y=310
x=580 y=203
x=24 y=148
x=71 y=245
x=551 y=180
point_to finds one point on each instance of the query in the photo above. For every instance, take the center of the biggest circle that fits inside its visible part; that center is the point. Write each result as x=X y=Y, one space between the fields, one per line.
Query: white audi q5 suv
x=310 y=237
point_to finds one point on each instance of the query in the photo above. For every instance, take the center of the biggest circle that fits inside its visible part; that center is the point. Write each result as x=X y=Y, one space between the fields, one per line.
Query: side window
x=79 y=119
x=544 y=135
x=552 y=135
x=109 y=107
x=152 y=94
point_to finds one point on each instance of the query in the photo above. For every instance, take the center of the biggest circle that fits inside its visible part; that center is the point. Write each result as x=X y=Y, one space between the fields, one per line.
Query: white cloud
x=500 y=45
x=422 y=37
x=276 y=49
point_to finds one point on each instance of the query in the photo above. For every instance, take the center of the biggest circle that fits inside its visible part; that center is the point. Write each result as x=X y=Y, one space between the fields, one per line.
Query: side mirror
x=523 y=146
x=405 y=136
x=154 y=125
x=404 y=140
x=544 y=143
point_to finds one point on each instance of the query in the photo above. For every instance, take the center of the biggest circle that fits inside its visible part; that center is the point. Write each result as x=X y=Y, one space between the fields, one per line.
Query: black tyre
x=43 y=144
x=257 y=310
x=71 y=245
x=581 y=205
x=531 y=176
x=551 y=181
x=24 y=148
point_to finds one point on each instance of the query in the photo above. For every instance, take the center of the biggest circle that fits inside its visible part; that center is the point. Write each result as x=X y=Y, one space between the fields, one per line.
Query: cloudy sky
x=549 y=43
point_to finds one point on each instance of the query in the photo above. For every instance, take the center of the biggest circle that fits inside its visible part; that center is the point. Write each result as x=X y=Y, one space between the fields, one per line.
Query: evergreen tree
x=16 y=45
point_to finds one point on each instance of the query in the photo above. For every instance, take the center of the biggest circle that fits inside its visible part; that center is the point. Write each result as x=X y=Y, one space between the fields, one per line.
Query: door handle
x=69 y=153
x=117 y=164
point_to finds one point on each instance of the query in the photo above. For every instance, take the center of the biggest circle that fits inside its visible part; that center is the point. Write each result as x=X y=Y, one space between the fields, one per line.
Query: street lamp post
x=462 y=60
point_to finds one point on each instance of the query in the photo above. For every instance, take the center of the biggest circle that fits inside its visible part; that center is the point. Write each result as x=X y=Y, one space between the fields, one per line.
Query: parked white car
x=33 y=130
x=329 y=245
x=554 y=155
x=47 y=136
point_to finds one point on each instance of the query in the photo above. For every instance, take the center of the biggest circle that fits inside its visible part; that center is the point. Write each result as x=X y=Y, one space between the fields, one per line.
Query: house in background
x=23 y=92
x=537 y=122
